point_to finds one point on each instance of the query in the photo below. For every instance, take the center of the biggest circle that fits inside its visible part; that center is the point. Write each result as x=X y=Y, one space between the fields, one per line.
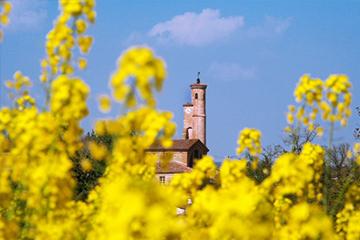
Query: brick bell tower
x=195 y=113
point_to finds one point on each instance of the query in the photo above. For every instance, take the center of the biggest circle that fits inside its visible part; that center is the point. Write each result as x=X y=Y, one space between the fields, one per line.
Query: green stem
x=341 y=195
x=327 y=172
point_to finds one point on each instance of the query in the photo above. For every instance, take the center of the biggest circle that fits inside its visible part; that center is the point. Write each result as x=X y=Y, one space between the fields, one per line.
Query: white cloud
x=278 y=25
x=197 y=29
x=27 y=14
x=272 y=26
x=226 y=71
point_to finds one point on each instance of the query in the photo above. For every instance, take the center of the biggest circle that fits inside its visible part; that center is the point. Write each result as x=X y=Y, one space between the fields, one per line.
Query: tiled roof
x=172 y=167
x=178 y=145
x=188 y=104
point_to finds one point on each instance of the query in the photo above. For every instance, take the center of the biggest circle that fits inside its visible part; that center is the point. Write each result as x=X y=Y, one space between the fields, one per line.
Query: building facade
x=182 y=156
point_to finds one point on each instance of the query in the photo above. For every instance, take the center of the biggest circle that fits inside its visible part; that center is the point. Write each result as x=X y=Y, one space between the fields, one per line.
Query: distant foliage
x=87 y=178
x=57 y=184
x=357 y=129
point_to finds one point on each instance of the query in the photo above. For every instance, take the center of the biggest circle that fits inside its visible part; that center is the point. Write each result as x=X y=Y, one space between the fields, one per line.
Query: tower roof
x=188 y=105
x=198 y=86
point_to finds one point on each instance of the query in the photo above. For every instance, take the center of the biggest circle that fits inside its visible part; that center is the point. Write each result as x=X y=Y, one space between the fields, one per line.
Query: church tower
x=195 y=113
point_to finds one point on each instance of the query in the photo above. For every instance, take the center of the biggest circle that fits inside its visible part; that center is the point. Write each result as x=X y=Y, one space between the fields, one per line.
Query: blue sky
x=250 y=53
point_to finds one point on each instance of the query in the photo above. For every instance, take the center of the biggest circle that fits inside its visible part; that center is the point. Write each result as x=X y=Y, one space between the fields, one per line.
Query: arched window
x=188 y=133
x=196 y=96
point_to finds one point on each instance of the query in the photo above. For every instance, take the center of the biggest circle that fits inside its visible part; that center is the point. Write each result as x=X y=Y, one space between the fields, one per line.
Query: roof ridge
x=178 y=144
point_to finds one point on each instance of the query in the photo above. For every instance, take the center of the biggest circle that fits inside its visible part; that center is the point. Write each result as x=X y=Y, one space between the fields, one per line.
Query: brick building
x=192 y=146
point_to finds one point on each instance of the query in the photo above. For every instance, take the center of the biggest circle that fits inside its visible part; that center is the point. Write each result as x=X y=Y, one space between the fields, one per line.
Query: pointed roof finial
x=198 y=78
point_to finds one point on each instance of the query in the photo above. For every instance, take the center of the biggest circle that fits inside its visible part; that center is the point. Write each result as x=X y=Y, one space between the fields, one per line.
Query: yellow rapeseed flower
x=82 y=63
x=147 y=71
x=104 y=103
x=249 y=139
x=98 y=151
x=7 y=7
x=86 y=165
x=37 y=148
x=80 y=26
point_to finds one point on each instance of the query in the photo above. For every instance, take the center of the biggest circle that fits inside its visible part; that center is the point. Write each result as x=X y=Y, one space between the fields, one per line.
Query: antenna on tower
x=198 y=78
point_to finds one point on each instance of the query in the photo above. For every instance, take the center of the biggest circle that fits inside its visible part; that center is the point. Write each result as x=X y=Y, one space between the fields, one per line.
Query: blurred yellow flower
x=86 y=165
x=104 y=103
x=249 y=139
x=82 y=63
x=98 y=151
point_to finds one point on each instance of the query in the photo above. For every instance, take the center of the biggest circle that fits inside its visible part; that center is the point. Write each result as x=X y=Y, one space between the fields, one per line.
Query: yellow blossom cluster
x=68 y=100
x=105 y=103
x=347 y=221
x=189 y=183
x=135 y=132
x=37 y=186
x=232 y=171
x=229 y=210
x=331 y=98
x=337 y=106
x=5 y=8
x=36 y=147
x=129 y=203
x=305 y=221
x=299 y=174
x=68 y=32
x=249 y=139
x=229 y=213
x=19 y=81
x=131 y=209
x=147 y=71
x=138 y=129
x=308 y=93
x=18 y=91
x=35 y=168
x=97 y=150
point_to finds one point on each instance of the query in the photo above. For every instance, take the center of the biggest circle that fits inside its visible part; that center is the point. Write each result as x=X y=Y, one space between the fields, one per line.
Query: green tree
x=295 y=138
x=86 y=180
x=343 y=173
x=263 y=169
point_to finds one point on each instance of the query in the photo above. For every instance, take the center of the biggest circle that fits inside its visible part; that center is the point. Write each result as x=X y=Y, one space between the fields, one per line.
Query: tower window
x=196 y=96
x=188 y=134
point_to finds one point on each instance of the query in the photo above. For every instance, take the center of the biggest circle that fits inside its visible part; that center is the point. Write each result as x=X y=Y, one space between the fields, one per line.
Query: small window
x=188 y=134
x=162 y=179
x=196 y=96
